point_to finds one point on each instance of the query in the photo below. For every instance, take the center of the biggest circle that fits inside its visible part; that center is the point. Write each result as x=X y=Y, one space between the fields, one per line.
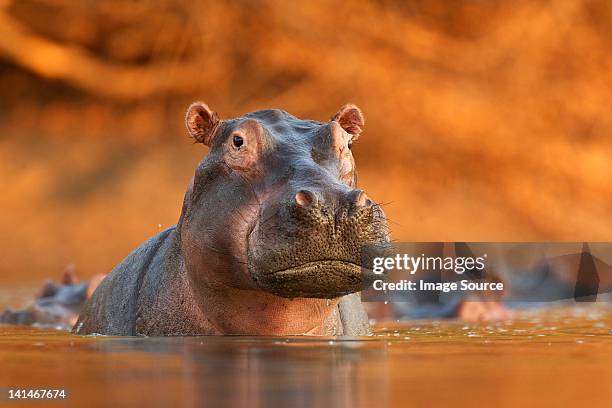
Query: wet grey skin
x=268 y=242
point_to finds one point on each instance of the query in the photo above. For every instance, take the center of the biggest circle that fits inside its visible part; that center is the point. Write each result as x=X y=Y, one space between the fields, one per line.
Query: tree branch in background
x=81 y=69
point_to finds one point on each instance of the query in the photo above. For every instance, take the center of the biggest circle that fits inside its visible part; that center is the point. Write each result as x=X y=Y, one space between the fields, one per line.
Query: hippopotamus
x=268 y=241
x=56 y=304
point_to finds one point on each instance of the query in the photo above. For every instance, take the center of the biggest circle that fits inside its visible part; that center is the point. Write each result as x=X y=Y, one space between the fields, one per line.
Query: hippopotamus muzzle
x=311 y=245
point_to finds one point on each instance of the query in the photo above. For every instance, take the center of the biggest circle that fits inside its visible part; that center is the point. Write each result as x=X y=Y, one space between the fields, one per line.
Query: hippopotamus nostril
x=360 y=199
x=305 y=198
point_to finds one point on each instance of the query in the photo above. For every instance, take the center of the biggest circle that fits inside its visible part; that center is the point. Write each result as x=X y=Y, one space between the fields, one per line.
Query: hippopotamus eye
x=238 y=141
x=350 y=143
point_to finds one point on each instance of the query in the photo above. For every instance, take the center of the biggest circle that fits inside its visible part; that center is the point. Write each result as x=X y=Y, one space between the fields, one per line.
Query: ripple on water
x=556 y=325
x=417 y=353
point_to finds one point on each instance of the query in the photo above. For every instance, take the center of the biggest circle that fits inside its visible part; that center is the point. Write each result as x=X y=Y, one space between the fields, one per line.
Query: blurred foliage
x=485 y=120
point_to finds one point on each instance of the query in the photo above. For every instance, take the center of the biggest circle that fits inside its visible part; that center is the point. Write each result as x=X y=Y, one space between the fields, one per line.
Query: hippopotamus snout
x=310 y=210
x=309 y=245
x=354 y=199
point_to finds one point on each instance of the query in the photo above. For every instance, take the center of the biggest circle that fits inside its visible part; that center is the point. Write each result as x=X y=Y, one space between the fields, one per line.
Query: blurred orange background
x=484 y=120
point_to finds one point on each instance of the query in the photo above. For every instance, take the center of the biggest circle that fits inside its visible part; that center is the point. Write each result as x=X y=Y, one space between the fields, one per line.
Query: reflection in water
x=542 y=357
x=262 y=371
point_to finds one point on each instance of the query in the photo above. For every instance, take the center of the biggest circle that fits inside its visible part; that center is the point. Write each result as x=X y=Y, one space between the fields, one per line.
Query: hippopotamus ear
x=201 y=122
x=349 y=117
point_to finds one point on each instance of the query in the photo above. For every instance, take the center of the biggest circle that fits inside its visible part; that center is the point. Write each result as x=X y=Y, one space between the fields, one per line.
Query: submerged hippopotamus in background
x=57 y=304
x=268 y=242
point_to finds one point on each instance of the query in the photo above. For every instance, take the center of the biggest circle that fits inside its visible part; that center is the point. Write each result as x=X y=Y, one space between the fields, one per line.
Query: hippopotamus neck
x=239 y=311
x=166 y=293
x=150 y=293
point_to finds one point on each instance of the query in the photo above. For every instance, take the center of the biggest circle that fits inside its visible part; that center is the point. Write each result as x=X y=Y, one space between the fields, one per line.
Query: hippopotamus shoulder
x=112 y=309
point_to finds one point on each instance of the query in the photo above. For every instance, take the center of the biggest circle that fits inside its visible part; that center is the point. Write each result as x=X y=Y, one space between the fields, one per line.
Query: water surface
x=556 y=358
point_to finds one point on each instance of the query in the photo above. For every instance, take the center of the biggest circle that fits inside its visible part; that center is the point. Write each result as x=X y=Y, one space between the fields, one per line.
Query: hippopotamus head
x=274 y=205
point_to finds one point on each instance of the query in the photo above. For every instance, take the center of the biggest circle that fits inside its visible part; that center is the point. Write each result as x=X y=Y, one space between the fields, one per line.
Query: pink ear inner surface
x=201 y=122
x=349 y=117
